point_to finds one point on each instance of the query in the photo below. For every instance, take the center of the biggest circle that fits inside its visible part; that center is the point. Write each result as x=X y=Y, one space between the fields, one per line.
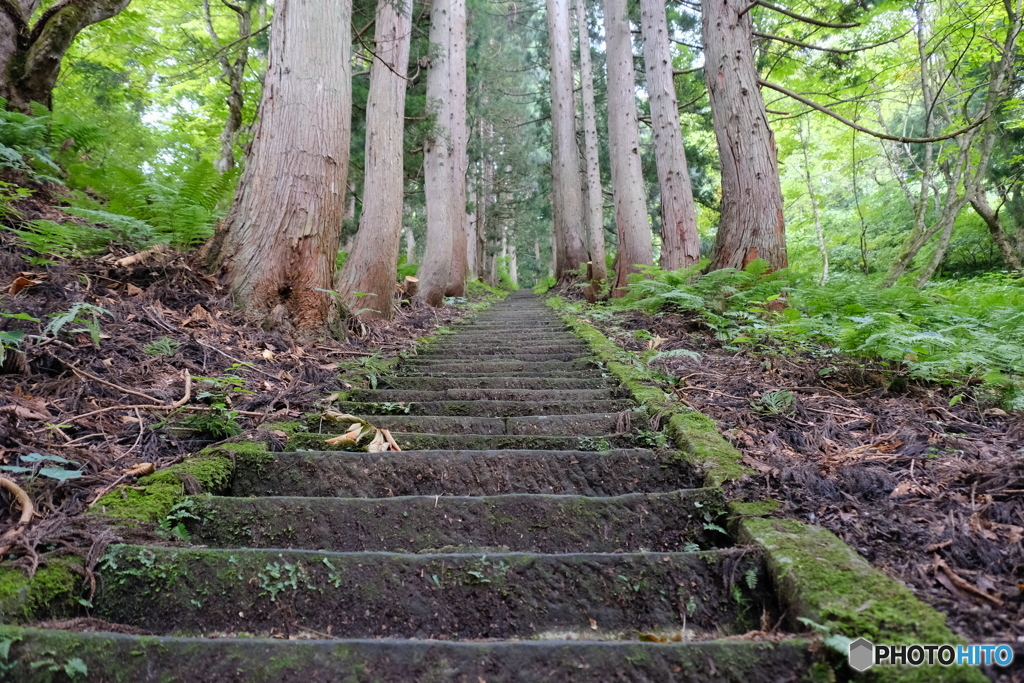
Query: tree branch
x=800 y=17
x=862 y=129
x=797 y=43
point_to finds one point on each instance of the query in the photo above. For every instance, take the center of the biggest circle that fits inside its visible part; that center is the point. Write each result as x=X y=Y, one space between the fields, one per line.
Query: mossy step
x=459 y=345
x=656 y=522
x=548 y=362
x=132 y=659
x=523 y=336
x=413 y=395
x=443 y=384
x=458 y=371
x=177 y=591
x=593 y=425
x=489 y=408
x=473 y=442
x=525 y=355
x=461 y=473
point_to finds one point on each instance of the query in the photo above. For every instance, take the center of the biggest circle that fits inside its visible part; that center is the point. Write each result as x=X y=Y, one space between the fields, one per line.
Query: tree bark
x=566 y=188
x=284 y=227
x=680 y=243
x=232 y=74
x=438 y=163
x=31 y=54
x=593 y=197
x=460 y=156
x=981 y=206
x=631 y=222
x=751 y=224
x=371 y=267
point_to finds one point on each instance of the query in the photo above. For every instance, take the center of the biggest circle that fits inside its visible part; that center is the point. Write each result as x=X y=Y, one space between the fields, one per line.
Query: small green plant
x=35 y=467
x=10 y=340
x=774 y=403
x=389 y=408
x=81 y=313
x=220 y=420
x=590 y=443
x=164 y=346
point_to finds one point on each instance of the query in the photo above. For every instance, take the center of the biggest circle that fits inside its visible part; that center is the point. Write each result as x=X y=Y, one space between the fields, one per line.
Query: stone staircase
x=528 y=531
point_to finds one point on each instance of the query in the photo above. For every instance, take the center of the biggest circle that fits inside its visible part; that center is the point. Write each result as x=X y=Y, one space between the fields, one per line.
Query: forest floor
x=154 y=322
x=929 y=492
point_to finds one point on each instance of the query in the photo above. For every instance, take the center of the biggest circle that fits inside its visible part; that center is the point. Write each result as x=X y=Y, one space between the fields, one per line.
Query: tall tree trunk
x=471 y=233
x=30 y=54
x=232 y=74
x=460 y=137
x=981 y=206
x=284 y=226
x=593 y=198
x=751 y=224
x=438 y=164
x=566 y=188
x=410 y=245
x=680 y=243
x=822 y=246
x=371 y=267
x=631 y=223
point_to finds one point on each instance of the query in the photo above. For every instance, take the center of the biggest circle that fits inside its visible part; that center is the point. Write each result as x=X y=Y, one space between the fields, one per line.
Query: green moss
x=757 y=508
x=822 y=579
x=695 y=433
x=53 y=592
x=213 y=468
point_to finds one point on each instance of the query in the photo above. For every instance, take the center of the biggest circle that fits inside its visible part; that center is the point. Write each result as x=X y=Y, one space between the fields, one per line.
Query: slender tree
x=460 y=138
x=751 y=224
x=31 y=53
x=282 y=232
x=680 y=244
x=566 y=188
x=232 y=68
x=438 y=162
x=594 y=200
x=631 y=222
x=366 y=282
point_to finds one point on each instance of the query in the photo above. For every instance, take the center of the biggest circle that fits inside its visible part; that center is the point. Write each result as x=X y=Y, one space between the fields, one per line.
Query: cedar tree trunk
x=371 y=267
x=438 y=164
x=566 y=189
x=593 y=199
x=680 y=244
x=751 y=224
x=631 y=222
x=284 y=227
x=460 y=137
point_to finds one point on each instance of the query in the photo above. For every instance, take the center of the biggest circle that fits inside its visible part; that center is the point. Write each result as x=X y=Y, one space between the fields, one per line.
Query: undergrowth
x=952 y=332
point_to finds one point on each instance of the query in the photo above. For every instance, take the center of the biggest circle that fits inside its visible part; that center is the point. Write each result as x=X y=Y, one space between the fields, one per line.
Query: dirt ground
x=162 y=319
x=930 y=494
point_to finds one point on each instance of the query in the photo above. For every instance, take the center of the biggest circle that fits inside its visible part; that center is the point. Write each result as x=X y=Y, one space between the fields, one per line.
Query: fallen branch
x=962 y=583
x=89 y=375
x=27 y=510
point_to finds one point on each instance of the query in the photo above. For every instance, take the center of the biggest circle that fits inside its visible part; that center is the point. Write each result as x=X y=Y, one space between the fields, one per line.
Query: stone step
x=474 y=442
x=443 y=384
x=511 y=334
x=148 y=659
x=462 y=473
x=479 y=370
x=593 y=425
x=502 y=350
x=639 y=522
x=414 y=395
x=562 y=361
x=488 y=408
x=176 y=591
x=509 y=354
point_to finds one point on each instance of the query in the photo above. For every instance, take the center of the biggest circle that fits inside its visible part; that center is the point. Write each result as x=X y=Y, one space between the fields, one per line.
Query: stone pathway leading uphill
x=524 y=537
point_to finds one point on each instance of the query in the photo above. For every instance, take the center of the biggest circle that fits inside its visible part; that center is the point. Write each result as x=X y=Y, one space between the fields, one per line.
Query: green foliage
x=164 y=346
x=10 y=340
x=36 y=465
x=950 y=332
x=144 y=212
x=81 y=313
x=220 y=420
x=62 y=240
x=544 y=284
